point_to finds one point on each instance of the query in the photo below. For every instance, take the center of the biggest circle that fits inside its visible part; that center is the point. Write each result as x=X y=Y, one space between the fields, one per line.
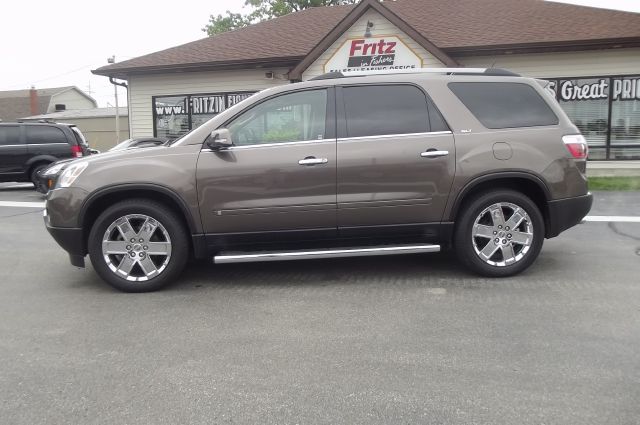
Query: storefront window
x=607 y=112
x=172 y=119
x=625 y=118
x=176 y=115
x=586 y=102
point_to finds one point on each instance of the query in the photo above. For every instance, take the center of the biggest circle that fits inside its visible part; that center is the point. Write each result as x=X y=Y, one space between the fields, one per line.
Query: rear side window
x=45 y=134
x=504 y=105
x=9 y=135
x=388 y=109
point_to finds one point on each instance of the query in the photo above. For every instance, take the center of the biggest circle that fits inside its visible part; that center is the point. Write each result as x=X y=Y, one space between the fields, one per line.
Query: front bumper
x=70 y=239
x=566 y=213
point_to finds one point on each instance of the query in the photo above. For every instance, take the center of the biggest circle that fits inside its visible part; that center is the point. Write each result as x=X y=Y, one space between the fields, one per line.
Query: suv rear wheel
x=500 y=233
x=138 y=245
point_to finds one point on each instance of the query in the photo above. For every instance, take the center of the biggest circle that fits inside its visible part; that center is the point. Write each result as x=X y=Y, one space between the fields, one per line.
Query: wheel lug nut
x=132 y=240
x=146 y=247
x=496 y=240
x=128 y=247
x=508 y=236
x=142 y=254
x=506 y=228
x=504 y=241
x=141 y=240
x=495 y=232
x=500 y=226
x=133 y=254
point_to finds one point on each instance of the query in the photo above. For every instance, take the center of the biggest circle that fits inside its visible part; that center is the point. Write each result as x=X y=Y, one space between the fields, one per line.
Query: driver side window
x=291 y=117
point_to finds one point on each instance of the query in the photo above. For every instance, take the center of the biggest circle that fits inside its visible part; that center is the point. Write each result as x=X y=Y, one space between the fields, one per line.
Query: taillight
x=577 y=145
x=76 y=151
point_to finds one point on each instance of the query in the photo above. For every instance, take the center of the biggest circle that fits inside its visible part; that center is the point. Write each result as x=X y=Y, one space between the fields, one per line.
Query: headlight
x=71 y=173
x=54 y=169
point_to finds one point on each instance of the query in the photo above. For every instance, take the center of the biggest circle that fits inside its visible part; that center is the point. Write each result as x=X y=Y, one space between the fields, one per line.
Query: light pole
x=112 y=59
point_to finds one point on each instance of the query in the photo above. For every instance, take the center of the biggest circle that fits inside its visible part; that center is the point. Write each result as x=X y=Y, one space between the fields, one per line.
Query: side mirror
x=219 y=139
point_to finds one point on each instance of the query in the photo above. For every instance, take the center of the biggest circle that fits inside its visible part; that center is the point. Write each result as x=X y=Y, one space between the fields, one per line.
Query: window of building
x=607 y=112
x=288 y=118
x=504 y=105
x=625 y=118
x=43 y=134
x=174 y=116
x=9 y=135
x=388 y=109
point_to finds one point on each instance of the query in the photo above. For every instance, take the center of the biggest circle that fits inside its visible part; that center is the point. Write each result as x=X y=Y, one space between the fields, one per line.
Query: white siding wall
x=72 y=100
x=381 y=27
x=142 y=88
x=568 y=64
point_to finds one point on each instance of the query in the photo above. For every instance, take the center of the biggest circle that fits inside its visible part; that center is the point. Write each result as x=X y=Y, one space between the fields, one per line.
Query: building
x=98 y=124
x=16 y=104
x=591 y=56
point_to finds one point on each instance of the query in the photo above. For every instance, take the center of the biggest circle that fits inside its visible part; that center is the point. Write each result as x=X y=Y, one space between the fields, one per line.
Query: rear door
x=13 y=152
x=396 y=157
x=280 y=173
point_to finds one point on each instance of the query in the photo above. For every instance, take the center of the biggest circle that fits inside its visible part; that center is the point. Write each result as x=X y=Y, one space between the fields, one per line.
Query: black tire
x=465 y=244
x=170 y=224
x=33 y=174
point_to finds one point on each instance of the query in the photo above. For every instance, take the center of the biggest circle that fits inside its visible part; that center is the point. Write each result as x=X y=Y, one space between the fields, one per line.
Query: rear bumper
x=71 y=240
x=566 y=213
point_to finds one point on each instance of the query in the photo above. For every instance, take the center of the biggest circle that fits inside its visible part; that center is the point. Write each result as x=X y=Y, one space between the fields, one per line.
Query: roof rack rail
x=489 y=72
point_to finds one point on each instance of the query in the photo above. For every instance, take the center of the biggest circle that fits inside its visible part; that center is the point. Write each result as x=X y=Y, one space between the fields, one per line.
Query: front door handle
x=433 y=153
x=312 y=160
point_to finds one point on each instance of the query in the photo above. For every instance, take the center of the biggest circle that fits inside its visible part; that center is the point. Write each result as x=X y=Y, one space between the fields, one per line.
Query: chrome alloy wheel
x=502 y=234
x=136 y=247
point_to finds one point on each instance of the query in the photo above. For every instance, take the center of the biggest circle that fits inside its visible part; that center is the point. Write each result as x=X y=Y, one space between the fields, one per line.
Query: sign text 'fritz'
x=373 y=53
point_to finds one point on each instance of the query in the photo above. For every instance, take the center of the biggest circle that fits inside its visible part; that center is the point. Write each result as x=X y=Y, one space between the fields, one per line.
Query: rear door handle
x=312 y=160
x=432 y=153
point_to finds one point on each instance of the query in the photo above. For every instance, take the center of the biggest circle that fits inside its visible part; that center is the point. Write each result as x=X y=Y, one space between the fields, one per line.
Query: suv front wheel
x=499 y=233
x=138 y=245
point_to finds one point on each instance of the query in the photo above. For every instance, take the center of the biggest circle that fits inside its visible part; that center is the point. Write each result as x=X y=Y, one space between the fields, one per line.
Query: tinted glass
x=379 y=110
x=504 y=105
x=288 y=118
x=9 y=135
x=435 y=118
x=45 y=134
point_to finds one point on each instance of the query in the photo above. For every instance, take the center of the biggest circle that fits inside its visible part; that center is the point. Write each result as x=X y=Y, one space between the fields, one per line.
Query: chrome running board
x=230 y=257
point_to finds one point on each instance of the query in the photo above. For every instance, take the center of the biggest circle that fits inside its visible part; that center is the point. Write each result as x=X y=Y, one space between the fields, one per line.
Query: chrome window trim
x=389 y=136
x=12 y=146
x=270 y=145
x=47 y=144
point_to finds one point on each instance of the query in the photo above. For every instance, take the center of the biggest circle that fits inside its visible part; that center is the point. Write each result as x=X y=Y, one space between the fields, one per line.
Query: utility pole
x=112 y=59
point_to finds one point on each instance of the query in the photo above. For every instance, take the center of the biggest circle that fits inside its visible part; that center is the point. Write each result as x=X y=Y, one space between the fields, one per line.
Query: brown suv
x=481 y=160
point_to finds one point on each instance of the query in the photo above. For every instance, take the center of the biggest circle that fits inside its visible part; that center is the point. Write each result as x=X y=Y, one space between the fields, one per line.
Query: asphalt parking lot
x=406 y=339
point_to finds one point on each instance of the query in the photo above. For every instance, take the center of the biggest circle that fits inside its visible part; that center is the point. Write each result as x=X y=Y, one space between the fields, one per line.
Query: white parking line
x=613 y=218
x=21 y=204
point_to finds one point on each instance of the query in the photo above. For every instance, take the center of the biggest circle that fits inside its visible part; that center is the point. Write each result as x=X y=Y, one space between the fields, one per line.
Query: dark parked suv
x=29 y=147
x=483 y=161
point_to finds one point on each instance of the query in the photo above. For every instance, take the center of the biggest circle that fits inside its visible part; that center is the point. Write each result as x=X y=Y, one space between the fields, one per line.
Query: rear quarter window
x=504 y=105
x=45 y=135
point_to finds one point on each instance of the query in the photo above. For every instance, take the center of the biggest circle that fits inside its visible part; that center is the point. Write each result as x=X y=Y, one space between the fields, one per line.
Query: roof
x=81 y=113
x=15 y=104
x=455 y=27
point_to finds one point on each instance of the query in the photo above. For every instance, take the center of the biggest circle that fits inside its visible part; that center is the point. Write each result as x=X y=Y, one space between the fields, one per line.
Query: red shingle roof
x=451 y=25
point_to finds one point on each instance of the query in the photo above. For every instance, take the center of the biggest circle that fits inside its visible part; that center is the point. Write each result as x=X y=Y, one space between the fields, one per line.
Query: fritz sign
x=372 y=53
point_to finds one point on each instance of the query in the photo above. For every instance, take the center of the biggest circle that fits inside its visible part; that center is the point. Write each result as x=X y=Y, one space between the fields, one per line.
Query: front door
x=280 y=173
x=396 y=158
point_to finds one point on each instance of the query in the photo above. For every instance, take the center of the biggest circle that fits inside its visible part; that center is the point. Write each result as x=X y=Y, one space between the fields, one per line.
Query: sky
x=48 y=43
